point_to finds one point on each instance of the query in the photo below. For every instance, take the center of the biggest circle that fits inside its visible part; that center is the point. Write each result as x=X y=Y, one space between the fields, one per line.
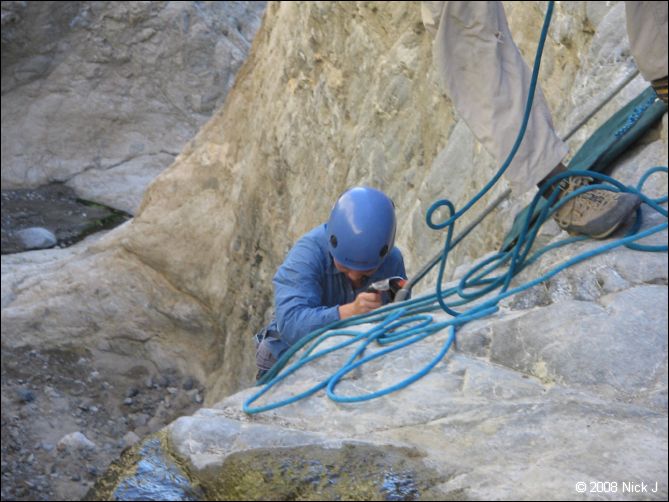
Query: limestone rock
x=593 y=346
x=103 y=96
x=487 y=431
x=149 y=326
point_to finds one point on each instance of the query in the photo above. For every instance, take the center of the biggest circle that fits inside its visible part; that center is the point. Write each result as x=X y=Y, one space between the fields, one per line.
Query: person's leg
x=647 y=30
x=483 y=73
x=599 y=213
x=487 y=80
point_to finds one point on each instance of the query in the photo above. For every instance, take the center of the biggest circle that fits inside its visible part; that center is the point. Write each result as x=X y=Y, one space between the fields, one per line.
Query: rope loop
x=435 y=207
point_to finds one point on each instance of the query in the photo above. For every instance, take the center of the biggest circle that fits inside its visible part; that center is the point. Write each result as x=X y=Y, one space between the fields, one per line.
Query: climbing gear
x=609 y=96
x=660 y=87
x=392 y=285
x=361 y=228
x=596 y=213
x=403 y=324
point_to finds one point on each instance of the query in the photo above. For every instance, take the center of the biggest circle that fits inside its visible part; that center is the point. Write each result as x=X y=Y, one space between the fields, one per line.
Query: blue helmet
x=361 y=229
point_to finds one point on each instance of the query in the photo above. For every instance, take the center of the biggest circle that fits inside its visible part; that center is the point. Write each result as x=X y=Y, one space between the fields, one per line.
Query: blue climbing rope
x=400 y=325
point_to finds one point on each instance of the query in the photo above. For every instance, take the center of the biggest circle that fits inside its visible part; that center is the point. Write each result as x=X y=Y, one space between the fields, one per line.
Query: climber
x=483 y=73
x=326 y=275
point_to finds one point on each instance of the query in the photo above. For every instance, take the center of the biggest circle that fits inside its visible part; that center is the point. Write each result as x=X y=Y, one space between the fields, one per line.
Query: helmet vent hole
x=384 y=250
x=333 y=241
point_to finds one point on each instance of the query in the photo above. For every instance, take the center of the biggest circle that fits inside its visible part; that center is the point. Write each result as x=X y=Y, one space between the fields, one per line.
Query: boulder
x=103 y=96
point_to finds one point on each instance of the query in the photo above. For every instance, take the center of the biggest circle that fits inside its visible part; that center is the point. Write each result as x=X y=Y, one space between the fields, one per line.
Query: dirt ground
x=66 y=417
x=50 y=394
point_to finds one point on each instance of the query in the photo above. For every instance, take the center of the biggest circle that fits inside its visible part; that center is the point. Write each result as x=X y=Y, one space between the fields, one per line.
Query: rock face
x=564 y=386
x=546 y=394
x=102 y=96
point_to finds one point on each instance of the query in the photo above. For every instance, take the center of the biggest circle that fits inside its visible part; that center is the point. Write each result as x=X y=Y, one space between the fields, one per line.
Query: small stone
x=139 y=419
x=188 y=384
x=75 y=441
x=51 y=392
x=26 y=395
x=36 y=238
x=155 y=424
x=127 y=401
x=130 y=438
x=132 y=392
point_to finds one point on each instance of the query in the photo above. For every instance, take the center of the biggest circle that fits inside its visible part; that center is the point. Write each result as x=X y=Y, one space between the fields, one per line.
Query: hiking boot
x=597 y=213
x=660 y=86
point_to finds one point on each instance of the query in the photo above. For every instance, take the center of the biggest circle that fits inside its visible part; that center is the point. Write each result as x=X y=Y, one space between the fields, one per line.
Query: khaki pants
x=487 y=80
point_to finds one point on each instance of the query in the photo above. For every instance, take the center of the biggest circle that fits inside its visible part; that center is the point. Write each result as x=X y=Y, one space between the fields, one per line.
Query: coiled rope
x=403 y=324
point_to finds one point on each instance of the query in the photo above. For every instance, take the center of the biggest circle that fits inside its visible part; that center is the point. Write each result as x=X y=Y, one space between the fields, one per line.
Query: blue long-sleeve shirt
x=308 y=289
